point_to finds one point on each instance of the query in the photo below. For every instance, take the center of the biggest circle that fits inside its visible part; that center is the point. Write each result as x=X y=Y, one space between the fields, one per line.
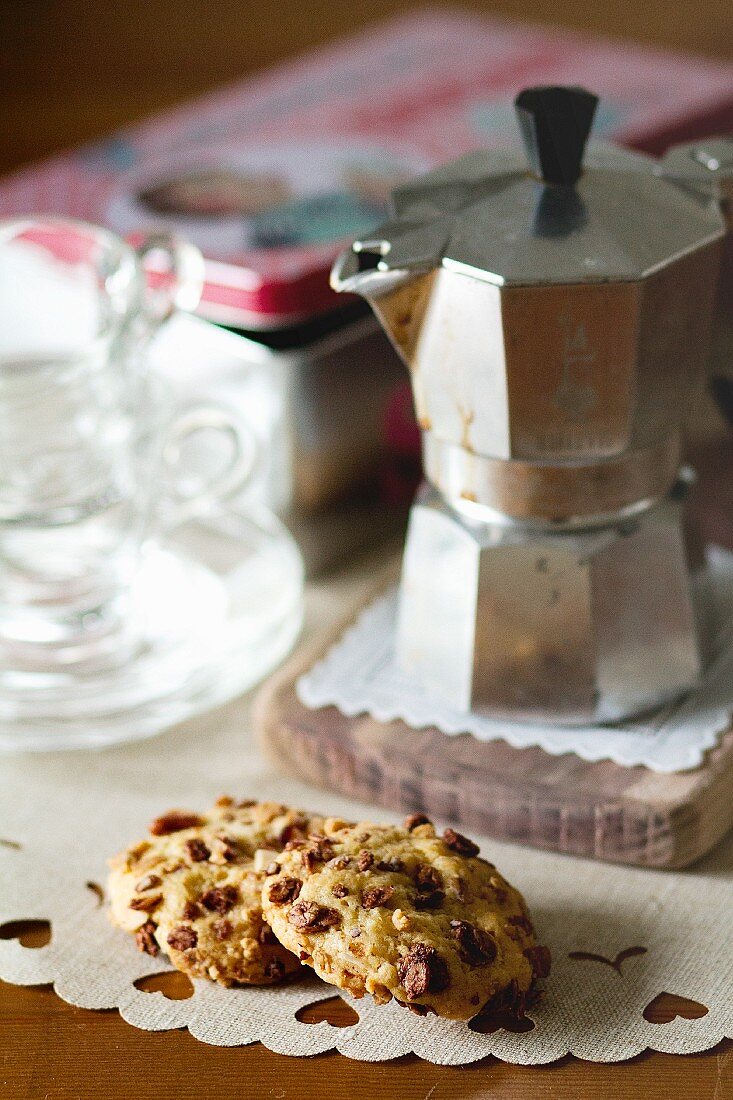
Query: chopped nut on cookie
x=175 y=821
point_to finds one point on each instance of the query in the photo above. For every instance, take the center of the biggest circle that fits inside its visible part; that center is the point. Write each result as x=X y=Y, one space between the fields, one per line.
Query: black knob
x=555 y=123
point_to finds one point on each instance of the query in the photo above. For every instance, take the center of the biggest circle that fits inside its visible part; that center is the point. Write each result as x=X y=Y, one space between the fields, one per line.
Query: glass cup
x=90 y=443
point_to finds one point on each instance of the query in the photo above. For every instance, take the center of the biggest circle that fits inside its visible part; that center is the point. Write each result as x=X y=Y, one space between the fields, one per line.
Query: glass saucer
x=216 y=604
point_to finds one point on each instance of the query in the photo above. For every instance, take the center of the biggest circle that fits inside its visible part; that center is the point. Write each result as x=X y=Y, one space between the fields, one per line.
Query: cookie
x=192 y=889
x=402 y=912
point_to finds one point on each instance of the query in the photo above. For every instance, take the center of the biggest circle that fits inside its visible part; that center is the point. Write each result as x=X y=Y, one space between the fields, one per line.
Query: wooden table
x=71 y=70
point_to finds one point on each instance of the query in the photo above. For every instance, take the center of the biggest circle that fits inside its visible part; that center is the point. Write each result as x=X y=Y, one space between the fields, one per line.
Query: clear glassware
x=130 y=594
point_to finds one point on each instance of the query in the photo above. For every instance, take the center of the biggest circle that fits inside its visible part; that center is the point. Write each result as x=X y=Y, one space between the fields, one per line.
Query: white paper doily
x=359 y=675
x=61 y=816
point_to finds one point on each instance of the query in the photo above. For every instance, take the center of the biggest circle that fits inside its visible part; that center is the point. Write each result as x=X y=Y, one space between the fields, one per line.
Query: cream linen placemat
x=62 y=815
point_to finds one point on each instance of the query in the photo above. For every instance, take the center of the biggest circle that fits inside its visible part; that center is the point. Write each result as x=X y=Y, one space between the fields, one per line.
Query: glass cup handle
x=182 y=279
x=187 y=503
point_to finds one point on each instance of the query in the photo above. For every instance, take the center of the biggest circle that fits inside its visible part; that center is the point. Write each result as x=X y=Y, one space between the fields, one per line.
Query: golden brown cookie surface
x=193 y=889
x=402 y=912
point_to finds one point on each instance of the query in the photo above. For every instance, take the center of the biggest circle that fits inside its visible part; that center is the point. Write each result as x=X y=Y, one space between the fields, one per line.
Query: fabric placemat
x=620 y=937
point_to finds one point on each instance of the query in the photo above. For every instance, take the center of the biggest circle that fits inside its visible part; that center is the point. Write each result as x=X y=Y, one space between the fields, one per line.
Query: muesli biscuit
x=398 y=911
x=192 y=889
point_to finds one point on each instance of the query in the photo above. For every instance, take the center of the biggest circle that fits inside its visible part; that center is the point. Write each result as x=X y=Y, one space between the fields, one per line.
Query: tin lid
x=555 y=215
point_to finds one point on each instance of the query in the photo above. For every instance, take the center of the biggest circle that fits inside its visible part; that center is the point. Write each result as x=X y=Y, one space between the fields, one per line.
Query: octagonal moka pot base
x=575 y=627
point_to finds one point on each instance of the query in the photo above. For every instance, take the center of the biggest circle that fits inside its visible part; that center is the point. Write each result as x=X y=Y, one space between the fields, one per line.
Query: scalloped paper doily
x=359 y=675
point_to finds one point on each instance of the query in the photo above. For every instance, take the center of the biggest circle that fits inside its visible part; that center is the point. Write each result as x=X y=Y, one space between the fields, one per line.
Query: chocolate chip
x=339 y=890
x=266 y=935
x=422 y=970
x=191 y=911
x=475 y=946
x=413 y=820
x=427 y=878
x=145 y=939
x=275 y=969
x=365 y=860
x=147 y=883
x=308 y=859
x=392 y=865
x=459 y=843
x=222 y=928
x=173 y=822
x=146 y=905
x=226 y=849
x=521 y=924
x=220 y=899
x=430 y=901
x=376 y=896
x=197 y=850
x=429 y=882
x=540 y=961
x=308 y=916
x=319 y=850
x=285 y=889
x=295 y=830
x=182 y=938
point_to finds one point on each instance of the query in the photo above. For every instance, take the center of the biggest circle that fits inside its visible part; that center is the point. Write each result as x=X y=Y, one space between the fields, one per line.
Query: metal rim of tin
x=545 y=497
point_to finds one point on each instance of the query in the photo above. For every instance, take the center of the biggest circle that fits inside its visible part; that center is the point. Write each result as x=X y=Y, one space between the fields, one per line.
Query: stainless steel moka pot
x=554 y=310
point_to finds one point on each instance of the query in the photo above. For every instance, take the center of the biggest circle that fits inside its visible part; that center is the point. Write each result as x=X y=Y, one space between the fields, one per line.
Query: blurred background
x=71 y=70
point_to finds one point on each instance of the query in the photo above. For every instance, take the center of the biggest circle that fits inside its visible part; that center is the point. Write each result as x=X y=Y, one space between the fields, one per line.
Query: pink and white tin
x=270 y=176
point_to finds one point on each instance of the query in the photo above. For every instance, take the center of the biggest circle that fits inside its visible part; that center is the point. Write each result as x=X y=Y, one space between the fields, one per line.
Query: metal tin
x=328 y=405
x=336 y=389
x=271 y=174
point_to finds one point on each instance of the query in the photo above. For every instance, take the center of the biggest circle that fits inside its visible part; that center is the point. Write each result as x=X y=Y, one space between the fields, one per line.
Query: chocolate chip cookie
x=402 y=912
x=192 y=889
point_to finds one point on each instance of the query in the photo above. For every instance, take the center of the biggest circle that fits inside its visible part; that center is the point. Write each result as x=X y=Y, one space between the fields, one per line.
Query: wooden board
x=600 y=810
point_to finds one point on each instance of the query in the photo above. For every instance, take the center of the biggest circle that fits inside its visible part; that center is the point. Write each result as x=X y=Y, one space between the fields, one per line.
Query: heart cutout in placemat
x=171 y=983
x=668 y=1006
x=334 y=1011
x=615 y=964
x=98 y=892
x=29 y=933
